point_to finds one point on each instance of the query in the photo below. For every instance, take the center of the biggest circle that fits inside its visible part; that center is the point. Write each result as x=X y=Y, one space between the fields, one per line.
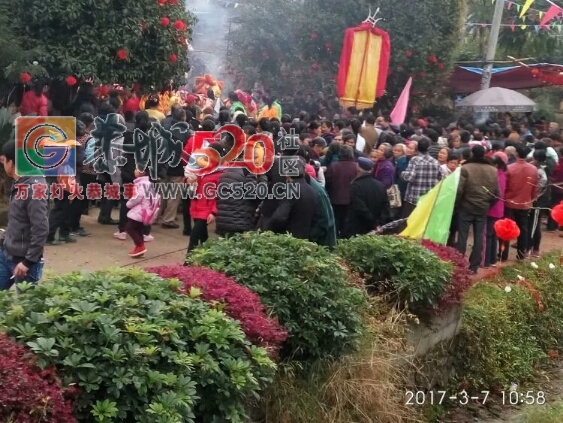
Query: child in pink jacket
x=143 y=209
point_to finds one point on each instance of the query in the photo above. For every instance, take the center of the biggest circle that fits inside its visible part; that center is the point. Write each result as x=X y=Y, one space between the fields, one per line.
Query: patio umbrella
x=496 y=100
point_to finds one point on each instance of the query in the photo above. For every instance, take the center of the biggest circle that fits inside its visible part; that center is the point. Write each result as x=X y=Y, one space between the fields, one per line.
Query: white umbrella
x=496 y=100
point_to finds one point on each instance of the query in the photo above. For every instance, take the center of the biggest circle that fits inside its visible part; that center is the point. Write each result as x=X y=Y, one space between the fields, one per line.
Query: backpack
x=148 y=215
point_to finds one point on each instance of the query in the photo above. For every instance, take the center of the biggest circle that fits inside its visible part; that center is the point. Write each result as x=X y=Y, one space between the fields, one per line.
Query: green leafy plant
x=403 y=269
x=301 y=283
x=496 y=345
x=117 y=42
x=137 y=349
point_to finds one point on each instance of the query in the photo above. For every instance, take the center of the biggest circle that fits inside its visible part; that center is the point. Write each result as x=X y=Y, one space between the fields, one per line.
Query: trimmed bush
x=398 y=267
x=300 y=282
x=28 y=395
x=236 y=301
x=461 y=279
x=496 y=345
x=138 y=350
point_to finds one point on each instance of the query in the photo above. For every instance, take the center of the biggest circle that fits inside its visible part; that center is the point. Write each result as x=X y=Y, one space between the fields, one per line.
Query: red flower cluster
x=240 y=303
x=122 y=54
x=25 y=77
x=180 y=25
x=461 y=277
x=164 y=21
x=71 y=80
x=26 y=394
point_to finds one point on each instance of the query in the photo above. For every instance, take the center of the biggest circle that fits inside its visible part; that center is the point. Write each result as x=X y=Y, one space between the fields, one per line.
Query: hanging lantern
x=557 y=214
x=364 y=66
x=164 y=21
x=25 y=78
x=71 y=81
x=432 y=59
x=161 y=2
x=506 y=229
x=173 y=58
x=122 y=54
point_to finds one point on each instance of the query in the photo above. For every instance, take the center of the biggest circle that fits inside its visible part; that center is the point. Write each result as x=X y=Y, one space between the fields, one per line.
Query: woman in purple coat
x=384 y=170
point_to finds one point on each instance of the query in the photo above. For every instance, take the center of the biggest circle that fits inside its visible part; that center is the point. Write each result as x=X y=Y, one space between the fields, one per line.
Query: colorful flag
x=526 y=7
x=552 y=12
x=432 y=216
x=399 y=113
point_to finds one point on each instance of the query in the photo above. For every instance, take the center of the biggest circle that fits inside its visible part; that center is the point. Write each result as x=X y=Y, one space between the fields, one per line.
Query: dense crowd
x=357 y=174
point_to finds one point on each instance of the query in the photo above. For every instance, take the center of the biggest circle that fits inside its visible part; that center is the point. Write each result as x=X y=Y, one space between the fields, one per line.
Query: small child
x=143 y=210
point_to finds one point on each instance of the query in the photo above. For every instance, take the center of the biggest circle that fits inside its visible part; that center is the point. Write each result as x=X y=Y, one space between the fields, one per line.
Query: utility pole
x=492 y=47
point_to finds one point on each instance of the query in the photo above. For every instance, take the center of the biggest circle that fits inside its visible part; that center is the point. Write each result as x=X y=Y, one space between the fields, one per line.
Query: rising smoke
x=210 y=36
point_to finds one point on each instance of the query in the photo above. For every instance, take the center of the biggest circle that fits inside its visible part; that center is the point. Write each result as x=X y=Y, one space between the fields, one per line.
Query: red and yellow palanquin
x=364 y=66
x=165 y=101
x=207 y=82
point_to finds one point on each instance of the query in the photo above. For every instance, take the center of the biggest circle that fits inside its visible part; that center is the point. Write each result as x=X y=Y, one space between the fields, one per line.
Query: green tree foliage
x=299 y=46
x=83 y=37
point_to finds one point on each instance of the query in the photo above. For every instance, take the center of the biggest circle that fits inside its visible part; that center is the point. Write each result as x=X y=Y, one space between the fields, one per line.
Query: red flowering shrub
x=461 y=277
x=240 y=302
x=28 y=395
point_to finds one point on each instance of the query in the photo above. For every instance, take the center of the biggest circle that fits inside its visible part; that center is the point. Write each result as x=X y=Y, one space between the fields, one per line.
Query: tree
x=298 y=44
x=116 y=41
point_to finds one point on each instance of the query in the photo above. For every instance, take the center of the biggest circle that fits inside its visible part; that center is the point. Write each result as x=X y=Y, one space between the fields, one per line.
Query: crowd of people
x=357 y=172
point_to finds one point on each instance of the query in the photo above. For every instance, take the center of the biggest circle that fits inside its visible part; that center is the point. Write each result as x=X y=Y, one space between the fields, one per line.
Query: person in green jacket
x=236 y=104
x=323 y=231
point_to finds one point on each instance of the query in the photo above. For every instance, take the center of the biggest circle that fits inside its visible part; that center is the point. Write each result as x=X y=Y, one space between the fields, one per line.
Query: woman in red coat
x=35 y=102
x=203 y=207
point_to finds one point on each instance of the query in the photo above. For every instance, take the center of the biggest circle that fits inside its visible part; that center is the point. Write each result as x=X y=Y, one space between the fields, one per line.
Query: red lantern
x=432 y=59
x=25 y=77
x=71 y=80
x=180 y=25
x=122 y=54
x=172 y=57
x=408 y=53
x=507 y=229
x=314 y=36
x=557 y=213
x=161 y=2
x=164 y=21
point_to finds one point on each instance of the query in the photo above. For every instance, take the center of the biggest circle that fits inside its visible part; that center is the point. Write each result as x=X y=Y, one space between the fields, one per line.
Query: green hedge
x=137 y=349
x=398 y=267
x=509 y=326
x=302 y=283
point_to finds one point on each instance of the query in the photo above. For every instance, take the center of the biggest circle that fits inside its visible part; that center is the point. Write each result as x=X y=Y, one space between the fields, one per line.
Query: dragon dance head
x=206 y=82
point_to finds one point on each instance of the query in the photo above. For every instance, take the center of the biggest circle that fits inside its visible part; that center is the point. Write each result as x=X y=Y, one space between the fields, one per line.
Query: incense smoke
x=210 y=36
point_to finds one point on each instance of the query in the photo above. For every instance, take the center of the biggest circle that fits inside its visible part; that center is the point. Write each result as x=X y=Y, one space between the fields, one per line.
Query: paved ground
x=101 y=250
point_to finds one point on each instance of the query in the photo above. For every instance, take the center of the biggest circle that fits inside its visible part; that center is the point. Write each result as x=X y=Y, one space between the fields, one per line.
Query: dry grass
x=364 y=387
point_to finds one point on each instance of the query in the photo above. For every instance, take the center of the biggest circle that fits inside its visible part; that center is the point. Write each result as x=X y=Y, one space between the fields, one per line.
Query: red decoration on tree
x=143 y=26
x=315 y=66
x=440 y=66
x=557 y=214
x=172 y=57
x=164 y=21
x=162 y=2
x=122 y=54
x=103 y=91
x=507 y=229
x=180 y=25
x=173 y=2
x=314 y=36
x=432 y=59
x=71 y=80
x=408 y=53
x=25 y=77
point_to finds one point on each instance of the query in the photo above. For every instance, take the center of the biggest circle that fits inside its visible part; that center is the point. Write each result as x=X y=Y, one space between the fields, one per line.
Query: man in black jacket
x=369 y=204
x=174 y=175
x=296 y=215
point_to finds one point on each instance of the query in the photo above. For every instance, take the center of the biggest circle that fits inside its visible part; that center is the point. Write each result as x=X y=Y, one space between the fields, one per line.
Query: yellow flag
x=526 y=7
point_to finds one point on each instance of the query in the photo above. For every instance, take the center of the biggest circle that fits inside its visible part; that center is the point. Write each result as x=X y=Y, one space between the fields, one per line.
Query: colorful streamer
x=526 y=7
